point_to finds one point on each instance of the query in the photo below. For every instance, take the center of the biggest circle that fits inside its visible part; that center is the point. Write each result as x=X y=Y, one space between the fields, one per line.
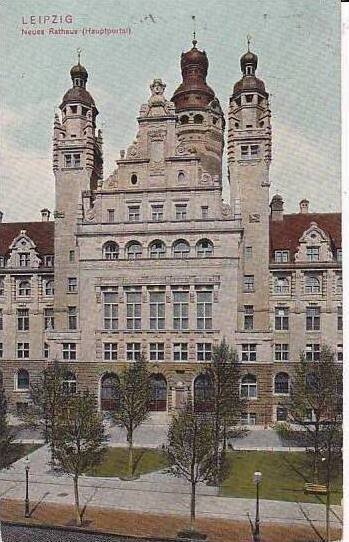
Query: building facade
x=150 y=260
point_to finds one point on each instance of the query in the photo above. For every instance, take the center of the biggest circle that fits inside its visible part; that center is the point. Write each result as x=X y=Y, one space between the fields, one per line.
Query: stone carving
x=254 y=217
x=185 y=150
x=206 y=178
x=226 y=210
x=157 y=104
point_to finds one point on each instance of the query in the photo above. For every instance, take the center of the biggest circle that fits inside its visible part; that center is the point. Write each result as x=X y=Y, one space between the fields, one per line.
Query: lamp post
x=323 y=459
x=257 y=478
x=27 y=467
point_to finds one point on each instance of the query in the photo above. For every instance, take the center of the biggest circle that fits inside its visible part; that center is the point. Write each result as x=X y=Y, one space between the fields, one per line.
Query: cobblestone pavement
x=155 y=492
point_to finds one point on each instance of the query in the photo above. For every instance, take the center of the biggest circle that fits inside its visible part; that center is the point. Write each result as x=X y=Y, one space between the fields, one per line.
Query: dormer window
x=2 y=261
x=48 y=261
x=338 y=255
x=281 y=256
x=24 y=259
x=313 y=254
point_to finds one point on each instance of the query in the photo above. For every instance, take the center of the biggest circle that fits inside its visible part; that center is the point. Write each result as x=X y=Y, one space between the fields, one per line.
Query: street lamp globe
x=27 y=463
x=257 y=477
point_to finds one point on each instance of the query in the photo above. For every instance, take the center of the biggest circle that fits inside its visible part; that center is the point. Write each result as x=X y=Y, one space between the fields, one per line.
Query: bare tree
x=80 y=439
x=133 y=392
x=191 y=450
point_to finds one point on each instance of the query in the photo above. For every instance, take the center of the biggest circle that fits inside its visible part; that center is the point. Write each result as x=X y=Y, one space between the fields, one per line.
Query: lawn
x=284 y=475
x=116 y=462
x=17 y=451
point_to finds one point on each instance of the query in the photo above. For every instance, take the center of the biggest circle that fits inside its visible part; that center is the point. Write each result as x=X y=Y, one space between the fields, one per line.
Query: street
x=13 y=533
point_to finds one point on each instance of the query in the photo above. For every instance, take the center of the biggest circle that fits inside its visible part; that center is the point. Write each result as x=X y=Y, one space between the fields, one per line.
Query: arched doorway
x=109 y=398
x=203 y=394
x=158 y=402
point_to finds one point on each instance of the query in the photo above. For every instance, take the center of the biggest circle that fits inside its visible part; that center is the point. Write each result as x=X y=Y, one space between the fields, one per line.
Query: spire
x=194 y=30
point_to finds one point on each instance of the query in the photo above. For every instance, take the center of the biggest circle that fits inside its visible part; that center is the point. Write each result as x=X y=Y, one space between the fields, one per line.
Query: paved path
x=156 y=492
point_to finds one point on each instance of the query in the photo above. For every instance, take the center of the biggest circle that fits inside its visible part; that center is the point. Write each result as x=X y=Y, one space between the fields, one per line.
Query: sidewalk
x=156 y=492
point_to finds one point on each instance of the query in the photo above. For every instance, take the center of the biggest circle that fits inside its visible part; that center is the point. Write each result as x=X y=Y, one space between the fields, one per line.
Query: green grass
x=115 y=462
x=17 y=451
x=284 y=476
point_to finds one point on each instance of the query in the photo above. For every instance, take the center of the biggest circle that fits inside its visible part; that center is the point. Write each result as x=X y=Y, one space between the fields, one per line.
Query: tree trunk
x=192 y=505
x=130 y=455
x=77 y=504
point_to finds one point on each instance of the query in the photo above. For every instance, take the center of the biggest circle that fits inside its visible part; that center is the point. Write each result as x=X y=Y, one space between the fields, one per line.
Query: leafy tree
x=191 y=450
x=133 y=392
x=6 y=433
x=315 y=406
x=224 y=374
x=80 y=439
x=47 y=399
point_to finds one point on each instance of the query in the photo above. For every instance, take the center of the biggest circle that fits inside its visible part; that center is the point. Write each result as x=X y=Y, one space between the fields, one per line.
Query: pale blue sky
x=297 y=42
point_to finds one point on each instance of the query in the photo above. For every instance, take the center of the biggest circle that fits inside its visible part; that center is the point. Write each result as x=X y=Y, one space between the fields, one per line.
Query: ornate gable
x=314 y=245
x=23 y=252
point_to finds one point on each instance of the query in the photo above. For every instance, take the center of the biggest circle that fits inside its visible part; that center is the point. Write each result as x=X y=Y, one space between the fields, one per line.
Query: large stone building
x=151 y=260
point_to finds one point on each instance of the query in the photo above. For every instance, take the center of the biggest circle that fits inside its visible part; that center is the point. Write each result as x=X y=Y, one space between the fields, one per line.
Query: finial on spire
x=194 y=31
x=248 y=42
x=79 y=54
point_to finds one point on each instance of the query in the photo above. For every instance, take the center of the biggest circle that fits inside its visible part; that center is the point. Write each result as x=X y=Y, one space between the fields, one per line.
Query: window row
x=157 y=249
x=312 y=284
x=24 y=288
x=157 y=213
x=312 y=318
x=24 y=260
x=312 y=253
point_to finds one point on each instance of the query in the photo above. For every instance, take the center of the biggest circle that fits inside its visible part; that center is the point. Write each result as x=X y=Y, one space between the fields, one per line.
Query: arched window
x=22 y=380
x=248 y=386
x=24 y=288
x=69 y=383
x=134 y=251
x=181 y=249
x=181 y=177
x=198 y=119
x=203 y=391
x=2 y=287
x=49 y=287
x=184 y=119
x=157 y=249
x=204 y=248
x=110 y=400
x=312 y=285
x=158 y=401
x=110 y=251
x=282 y=383
x=281 y=285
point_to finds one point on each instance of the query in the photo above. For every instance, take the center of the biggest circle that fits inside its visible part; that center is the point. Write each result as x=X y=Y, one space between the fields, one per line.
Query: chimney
x=277 y=207
x=45 y=215
x=1 y=216
x=304 y=206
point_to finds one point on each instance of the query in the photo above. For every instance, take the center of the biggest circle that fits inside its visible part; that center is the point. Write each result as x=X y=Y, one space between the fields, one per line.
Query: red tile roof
x=285 y=234
x=41 y=233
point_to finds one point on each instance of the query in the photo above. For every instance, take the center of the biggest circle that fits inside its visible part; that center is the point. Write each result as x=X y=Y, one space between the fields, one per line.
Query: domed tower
x=249 y=156
x=200 y=117
x=77 y=166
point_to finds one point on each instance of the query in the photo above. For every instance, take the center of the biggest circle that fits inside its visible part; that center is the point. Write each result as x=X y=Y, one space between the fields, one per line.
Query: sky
x=297 y=43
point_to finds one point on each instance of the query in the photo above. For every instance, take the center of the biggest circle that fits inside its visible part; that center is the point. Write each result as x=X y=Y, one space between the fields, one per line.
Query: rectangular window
x=111 y=215
x=204 y=352
x=248 y=317
x=133 y=351
x=71 y=256
x=69 y=351
x=249 y=283
x=2 y=261
x=110 y=310
x=157 y=213
x=49 y=321
x=248 y=418
x=46 y=351
x=281 y=285
x=340 y=318
x=72 y=318
x=204 y=309
x=281 y=256
x=180 y=351
x=76 y=160
x=281 y=318
x=204 y=212
x=181 y=212
x=281 y=414
x=339 y=255
x=110 y=352
x=312 y=319
x=312 y=352
x=157 y=310
x=339 y=284
x=67 y=160
x=1 y=350
x=72 y=284
x=249 y=152
x=1 y=320
x=156 y=351
x=249 y=98
x=313 y=254
x=22 y=350
x=134 y=213
x=248 y=253
x=180 y=310
x=23 y=319
x=24 y=259
x=49 y=261
x=281 y=352
x=339 y=352
x=249 y=352
x=133 y=308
